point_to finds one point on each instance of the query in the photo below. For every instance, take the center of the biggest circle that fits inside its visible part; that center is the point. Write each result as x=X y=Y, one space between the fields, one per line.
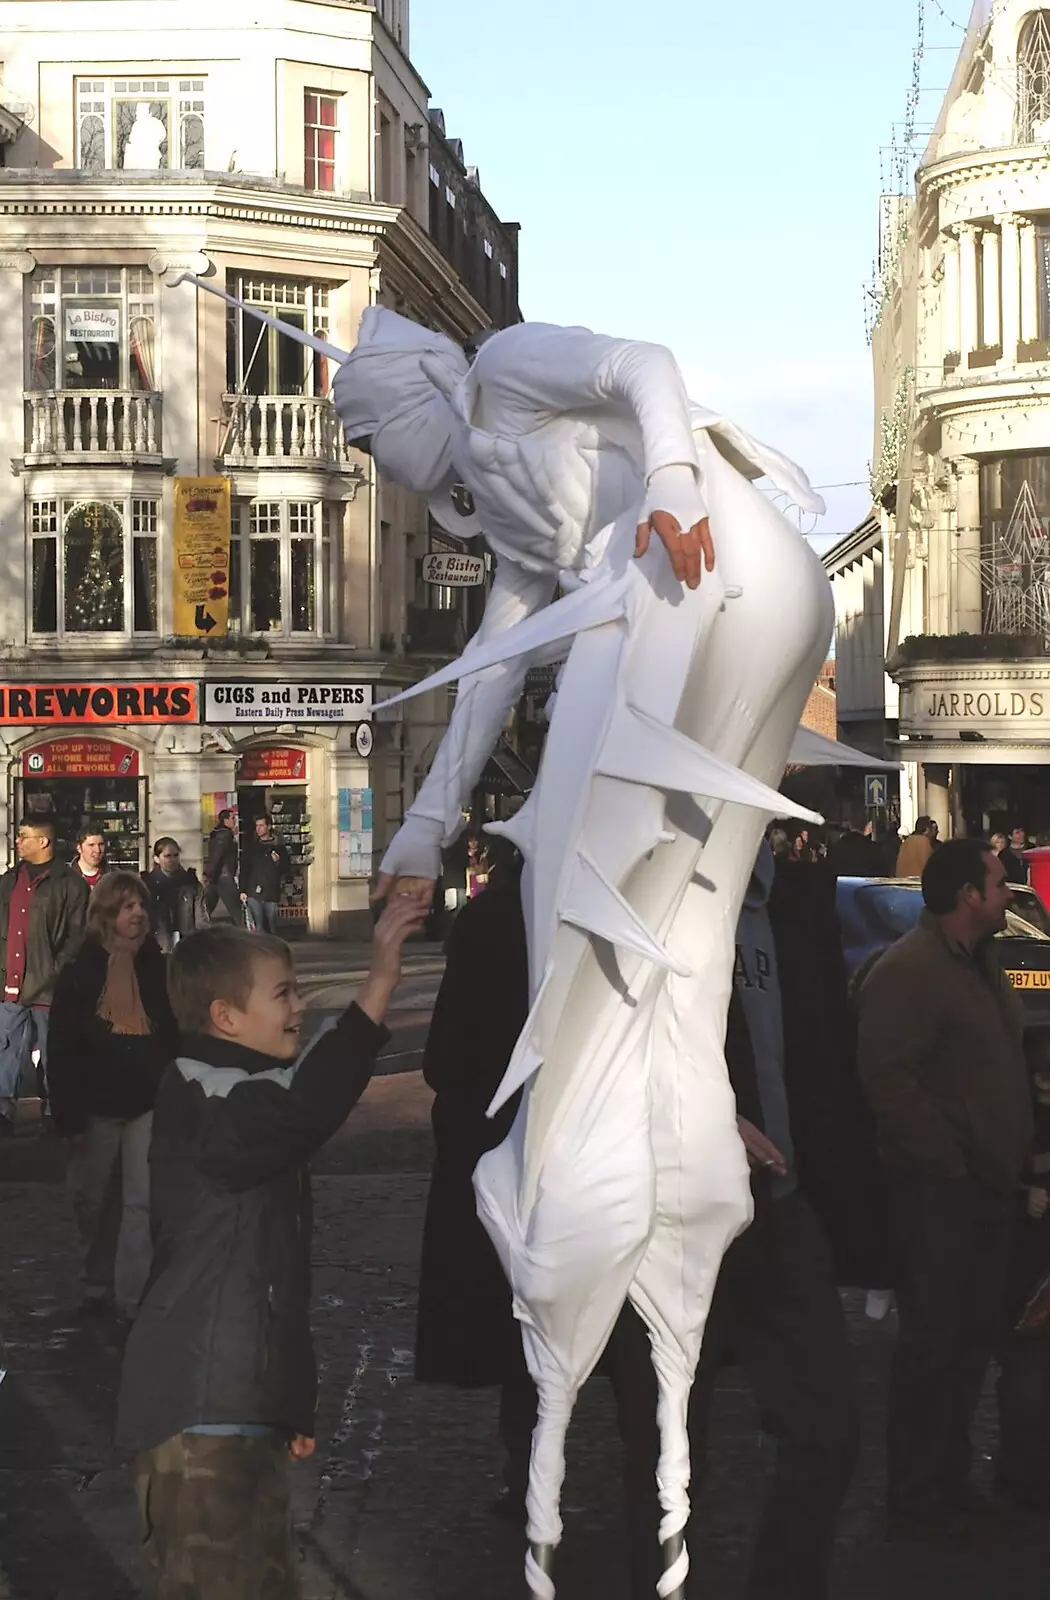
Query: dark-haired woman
x=112 y=1035
x=177 y=894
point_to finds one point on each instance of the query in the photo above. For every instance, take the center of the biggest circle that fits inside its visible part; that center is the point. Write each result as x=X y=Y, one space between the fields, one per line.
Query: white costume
x=624 y=1176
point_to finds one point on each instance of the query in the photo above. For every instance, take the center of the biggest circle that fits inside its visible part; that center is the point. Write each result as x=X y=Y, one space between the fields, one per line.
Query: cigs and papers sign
x=202 y=557
x=452 y=571
x=287 y=702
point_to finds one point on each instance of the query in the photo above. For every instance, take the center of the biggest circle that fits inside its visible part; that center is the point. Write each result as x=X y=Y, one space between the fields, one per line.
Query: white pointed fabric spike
x=310 y=340
x=524 y=1064
x=809 y=749
x=641 y=750
x=591 y=902
x=518 y=830
x=589 y=607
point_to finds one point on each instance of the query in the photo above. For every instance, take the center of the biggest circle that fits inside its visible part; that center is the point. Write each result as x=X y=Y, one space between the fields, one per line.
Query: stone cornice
x=1005 y=394
x=928 y=674
x=955 y=170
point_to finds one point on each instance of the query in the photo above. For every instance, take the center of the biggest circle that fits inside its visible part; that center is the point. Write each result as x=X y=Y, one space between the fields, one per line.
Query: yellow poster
x=202 y=557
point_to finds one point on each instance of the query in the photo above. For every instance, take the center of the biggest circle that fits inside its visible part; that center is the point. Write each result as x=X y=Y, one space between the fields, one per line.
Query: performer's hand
x=761 y=1152
x=690 y=552
x=392 y=886
x=1038 y=1204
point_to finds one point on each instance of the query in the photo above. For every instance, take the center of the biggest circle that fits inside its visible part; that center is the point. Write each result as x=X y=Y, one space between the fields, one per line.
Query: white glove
x=677 y=491
x=415 y=850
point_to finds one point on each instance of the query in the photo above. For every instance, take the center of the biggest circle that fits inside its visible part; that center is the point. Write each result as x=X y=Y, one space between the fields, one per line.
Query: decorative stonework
x=17 y=261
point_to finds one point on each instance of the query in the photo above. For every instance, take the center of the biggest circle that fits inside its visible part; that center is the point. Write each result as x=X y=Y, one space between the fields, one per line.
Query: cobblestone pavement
x=395 y=1505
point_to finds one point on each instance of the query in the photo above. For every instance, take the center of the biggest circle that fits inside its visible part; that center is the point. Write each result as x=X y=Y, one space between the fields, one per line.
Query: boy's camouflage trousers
x=218 y=1519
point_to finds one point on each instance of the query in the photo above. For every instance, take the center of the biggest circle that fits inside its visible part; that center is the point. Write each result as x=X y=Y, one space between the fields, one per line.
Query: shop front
x=977 y=734
x=85 y=754
x=301 y=751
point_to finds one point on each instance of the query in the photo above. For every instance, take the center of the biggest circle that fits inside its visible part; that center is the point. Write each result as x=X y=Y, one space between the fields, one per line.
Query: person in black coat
x=112 y=1035
x=177 y=896
x=220 y=868
x=265 y=863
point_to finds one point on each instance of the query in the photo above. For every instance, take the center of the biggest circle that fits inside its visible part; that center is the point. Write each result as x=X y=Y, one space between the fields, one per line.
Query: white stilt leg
x=546 y=1475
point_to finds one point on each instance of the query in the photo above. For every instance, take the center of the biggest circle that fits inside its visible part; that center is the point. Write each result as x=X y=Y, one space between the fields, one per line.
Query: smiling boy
x=219 y=1384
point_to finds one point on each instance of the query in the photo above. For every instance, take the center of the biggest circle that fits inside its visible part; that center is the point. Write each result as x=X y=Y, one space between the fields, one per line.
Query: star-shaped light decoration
x=1014 y=569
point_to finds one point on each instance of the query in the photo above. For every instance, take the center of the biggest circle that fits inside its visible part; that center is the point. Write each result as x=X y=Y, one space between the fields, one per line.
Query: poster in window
x=201 y=565
x=93 y=324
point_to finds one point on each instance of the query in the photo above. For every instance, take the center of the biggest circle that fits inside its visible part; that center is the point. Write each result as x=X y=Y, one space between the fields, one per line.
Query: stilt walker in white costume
x=590 y=471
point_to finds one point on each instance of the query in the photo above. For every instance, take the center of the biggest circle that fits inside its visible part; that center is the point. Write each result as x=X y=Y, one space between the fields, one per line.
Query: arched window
x=1033 y=80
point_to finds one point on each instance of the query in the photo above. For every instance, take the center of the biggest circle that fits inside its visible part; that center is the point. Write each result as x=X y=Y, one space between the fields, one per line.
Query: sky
x=706 y=176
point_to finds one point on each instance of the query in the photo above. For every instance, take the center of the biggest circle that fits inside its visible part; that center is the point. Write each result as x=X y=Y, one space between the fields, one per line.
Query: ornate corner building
x=297 y=163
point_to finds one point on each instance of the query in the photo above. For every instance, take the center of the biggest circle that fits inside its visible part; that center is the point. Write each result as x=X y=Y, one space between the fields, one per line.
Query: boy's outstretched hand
x=403 y=916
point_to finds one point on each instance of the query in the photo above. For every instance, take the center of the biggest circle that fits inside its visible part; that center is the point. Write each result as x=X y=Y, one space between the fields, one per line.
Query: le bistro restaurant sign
x=97 y=703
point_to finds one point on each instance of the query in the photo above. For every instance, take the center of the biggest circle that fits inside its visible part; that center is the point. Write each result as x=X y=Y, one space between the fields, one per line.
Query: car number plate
x=1028 y=980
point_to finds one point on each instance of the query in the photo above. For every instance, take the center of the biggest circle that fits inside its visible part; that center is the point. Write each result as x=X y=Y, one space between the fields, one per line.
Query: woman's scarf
x=120 y=1003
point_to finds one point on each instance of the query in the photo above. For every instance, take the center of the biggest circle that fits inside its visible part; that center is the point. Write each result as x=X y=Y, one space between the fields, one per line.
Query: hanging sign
x=201 y=564
x=28 y=703
x=272 y=766
x=92 y=325
x=287 y=702
x=363 y=740
x=81 y=758
x=453 y=571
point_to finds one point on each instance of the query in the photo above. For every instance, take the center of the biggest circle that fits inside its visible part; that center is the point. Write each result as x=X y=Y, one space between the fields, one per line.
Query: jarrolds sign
x=1000 y=703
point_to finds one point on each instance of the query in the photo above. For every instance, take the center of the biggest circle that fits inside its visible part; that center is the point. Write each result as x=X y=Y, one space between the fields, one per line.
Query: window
x=260 y=360
x=320 y=122
x=92 y=328
x=140 y=124
x=93 y=566
x=1033 y=80
x=281 y=577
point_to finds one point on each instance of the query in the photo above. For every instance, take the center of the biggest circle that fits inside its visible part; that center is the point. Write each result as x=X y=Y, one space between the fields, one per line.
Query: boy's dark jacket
x=86 y=1075
x=223 y=1333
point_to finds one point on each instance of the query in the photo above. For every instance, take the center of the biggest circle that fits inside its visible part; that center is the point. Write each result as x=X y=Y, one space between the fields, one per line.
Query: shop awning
x=506 y=774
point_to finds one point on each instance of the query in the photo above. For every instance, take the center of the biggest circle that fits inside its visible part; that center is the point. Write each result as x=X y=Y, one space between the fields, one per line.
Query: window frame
x=274 y=518
x=132 y=510
x=277 y=295
x=185 y=99
x=316 y=160
x=51 y=291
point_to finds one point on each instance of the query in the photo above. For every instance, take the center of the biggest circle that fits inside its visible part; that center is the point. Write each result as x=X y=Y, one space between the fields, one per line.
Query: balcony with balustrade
x=92 y=427
x=278 y=430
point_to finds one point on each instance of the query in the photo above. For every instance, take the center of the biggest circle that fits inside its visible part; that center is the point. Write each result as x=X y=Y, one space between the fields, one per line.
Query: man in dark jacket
x=943 y=1066
x=265 y=865
x=177 y=895
x=220 y=868
x=219 y=1383
x=43 y=911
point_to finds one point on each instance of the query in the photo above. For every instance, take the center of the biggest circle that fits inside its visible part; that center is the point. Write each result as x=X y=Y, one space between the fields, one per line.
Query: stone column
x=991 y=325
x=1029 y=283
x=950 y=332
x=15 y=269
x=968 y=288
x=968 y=597
x=1009 y=228
x=938 y=796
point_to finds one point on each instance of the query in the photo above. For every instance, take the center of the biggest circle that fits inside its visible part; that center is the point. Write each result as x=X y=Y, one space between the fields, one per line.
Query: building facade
x=290 y=163
x=962 y=450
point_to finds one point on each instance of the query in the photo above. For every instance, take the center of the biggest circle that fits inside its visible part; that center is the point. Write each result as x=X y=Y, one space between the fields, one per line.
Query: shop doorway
x=996 y=799
x=80 y=782
x=266 y=781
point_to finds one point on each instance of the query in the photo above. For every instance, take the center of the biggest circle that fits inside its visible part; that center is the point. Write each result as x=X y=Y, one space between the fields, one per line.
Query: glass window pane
x=42 y=353
x=265 y=585
x=45 y=585
x=91 y=344
x=92 y=144
x=142 y=134
x=303 y=587
x=93 y=570
x=327 y=106
x=193 y=142
x=144 y=585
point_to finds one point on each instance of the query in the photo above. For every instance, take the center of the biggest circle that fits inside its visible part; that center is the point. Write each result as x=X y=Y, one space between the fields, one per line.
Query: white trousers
x=109 y=1177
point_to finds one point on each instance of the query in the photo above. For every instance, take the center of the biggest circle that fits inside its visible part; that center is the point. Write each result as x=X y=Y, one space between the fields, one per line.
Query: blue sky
x=703 y=175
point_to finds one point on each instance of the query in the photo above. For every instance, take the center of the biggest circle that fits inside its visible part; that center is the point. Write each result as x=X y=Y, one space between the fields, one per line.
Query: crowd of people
x=899 y=1139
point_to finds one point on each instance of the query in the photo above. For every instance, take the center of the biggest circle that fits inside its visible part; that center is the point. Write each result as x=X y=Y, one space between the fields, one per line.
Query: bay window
x=140 y=124
x=281 y=567
x=92 y=328
x=93 y=567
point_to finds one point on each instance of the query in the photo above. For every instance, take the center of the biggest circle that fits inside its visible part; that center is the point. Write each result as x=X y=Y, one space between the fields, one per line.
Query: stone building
x=962 y=452
x=293 y=162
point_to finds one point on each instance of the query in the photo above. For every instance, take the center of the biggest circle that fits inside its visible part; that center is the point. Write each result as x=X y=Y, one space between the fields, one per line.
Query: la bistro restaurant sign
x=99 y=703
